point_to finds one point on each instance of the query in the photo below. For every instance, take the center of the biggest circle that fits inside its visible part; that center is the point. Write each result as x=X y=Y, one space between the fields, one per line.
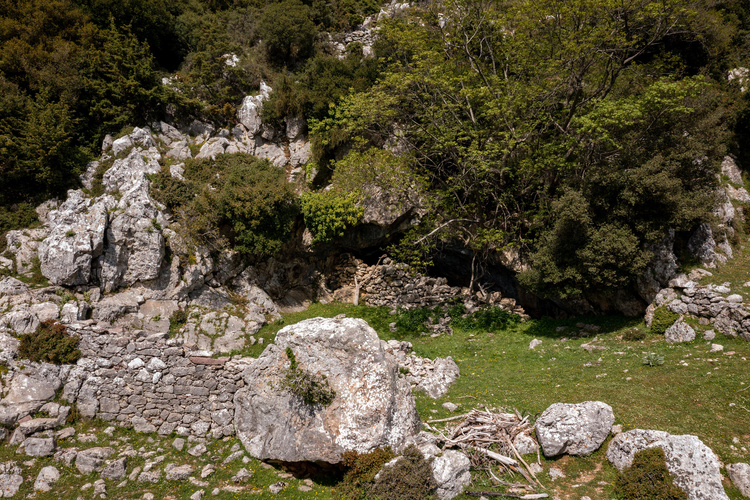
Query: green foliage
x=65 y=296
x=176 y=321
x=246 y=197
x=663 y=319
x=361 y=469
x=312 y=388
x=410 y=478
x=50 y=343
x=648 y=478
x=411 y=321
x=486 y=319
x=329 y=213
x=634 y=334
x=15 y=217
x=287 y=32
x=653 y=359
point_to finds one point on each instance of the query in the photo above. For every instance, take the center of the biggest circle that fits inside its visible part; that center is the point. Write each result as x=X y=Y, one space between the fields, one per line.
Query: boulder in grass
x=574 y=429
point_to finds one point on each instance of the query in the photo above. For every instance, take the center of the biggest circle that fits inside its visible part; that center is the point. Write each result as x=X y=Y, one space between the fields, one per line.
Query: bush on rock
x=663 y=319
x=50 y=343
x=408 y=478
x=648 y=478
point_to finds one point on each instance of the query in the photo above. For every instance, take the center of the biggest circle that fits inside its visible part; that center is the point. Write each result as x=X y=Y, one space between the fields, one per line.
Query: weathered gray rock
x=115 y=470
x=92 y=459
x=12 y=286
x=739 y=473
x=437 y=382
x=679 y=332
x=24 y=245
x=373 y=407
x=703 y=246
x=24 y=389
x=11 y=479
x=75 y=240
x=178 y=473
x=39 y=447
x=451 y=471
x=660 y=270
x=575 y=429
x=47 y=477
x=180 y=151
x=693 y=465
x=730 y=169
x=116 y=306
x=248 y=113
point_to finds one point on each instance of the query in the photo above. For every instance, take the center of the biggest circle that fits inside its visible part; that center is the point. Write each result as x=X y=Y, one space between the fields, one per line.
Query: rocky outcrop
x=452 y=473
x=679 y=332
x=372 y=407
x=574 y=429
x=739 y=474
x=693 y=465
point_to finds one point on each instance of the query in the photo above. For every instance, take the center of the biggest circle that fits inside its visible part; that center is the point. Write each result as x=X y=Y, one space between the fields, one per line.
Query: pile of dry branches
x=475 y=432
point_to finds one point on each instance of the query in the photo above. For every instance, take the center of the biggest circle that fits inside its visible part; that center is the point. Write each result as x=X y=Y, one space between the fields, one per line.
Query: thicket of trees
x=574 y=132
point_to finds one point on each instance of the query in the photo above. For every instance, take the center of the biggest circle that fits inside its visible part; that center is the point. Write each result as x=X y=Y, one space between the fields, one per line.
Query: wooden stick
x=533 y=496
x=447 y=419
x=500 y=458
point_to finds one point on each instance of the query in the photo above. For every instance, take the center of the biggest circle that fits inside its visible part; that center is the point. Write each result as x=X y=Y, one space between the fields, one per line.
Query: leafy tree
x=506 y=108
x=287 y=32
x=328 y=214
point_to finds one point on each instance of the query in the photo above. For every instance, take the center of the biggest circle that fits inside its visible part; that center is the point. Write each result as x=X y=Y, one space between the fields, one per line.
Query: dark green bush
x=311 y=387
x=50 y=343
x=648 y=479
x=287 y=31
x=360 y=472
x=485 y=319
x=633 y=334
x=663 y=319
x=411 y=321
x=410 y=478
x=176 y=320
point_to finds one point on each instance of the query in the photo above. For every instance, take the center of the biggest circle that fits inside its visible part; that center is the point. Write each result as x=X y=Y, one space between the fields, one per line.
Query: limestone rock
x=47 y=477
x=10 y=479
x=248 y=113
x=115 y=470
x=39 y=447
x=693 y=465
x=679 y=332
x=75 y=240
x=703 y=246
x=12 y=286
x=575 y=429
x=373 y=407
x=740 y=475
x=451 y=472
x=116 y=306
x=178 y=473
x=92 y=459
x=730 y=169
x=438 y=381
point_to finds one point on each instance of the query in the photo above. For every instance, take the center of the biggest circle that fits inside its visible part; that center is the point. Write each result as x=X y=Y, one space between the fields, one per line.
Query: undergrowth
x=648 y=479
x=50 y=343
x=409 y=478
x=663 y=319
x=311 y=387
x=361 y=469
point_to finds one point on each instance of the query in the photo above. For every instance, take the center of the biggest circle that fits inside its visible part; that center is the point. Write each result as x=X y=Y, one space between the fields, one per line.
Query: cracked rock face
x=373 y=407
x=75 y=240
x=575 y=429
x=693 y=465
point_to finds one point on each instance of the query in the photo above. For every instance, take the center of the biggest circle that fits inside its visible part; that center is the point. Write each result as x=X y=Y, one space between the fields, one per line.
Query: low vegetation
x=50 y=343
x=408 y=478
x=312 y=388
x=648 y=479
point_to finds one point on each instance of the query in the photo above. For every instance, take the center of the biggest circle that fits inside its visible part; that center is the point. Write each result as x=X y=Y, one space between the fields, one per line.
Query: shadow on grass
x=547 y=327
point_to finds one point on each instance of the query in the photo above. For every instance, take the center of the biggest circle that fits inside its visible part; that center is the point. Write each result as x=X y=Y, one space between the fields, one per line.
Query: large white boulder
x=372 y=407
x=693 y=465
x=575 y=429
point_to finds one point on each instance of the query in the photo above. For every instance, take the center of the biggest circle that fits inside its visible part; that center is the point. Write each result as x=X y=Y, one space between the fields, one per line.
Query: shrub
x=287 y=31
x=361 y=469
x=410 y=478
x=50 y=343
x=648 y=479
x=663 y=319
x=176 y=320
x=311 y=387
x=328 y=214
x=633 y=334
x=411 y=321
x=486 y=319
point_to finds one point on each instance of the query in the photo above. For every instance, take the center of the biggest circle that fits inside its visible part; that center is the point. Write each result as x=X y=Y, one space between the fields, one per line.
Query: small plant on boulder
x=50 y=343
x=176 y=320
x=648 y=479
x=663 y=319
x=311 y=387
x=409 y=478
